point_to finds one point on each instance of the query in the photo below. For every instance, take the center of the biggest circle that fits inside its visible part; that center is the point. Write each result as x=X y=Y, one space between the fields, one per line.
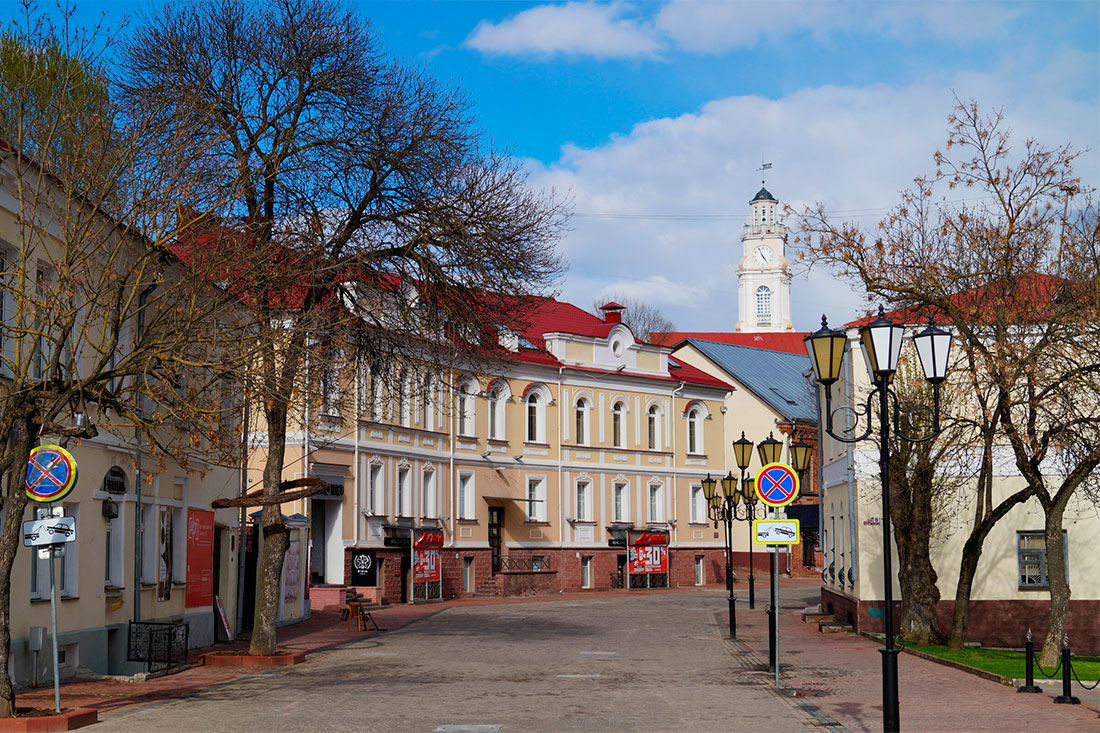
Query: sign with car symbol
x=776 y=531
x=49 y=531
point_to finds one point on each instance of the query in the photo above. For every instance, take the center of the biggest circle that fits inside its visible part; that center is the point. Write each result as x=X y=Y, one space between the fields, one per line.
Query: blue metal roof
x=776 y=377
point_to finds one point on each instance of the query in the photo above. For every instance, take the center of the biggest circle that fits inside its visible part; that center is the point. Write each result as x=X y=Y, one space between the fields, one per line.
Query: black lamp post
x=769 y=451
x=882 y=340
x=742 y=451
x=718 y=511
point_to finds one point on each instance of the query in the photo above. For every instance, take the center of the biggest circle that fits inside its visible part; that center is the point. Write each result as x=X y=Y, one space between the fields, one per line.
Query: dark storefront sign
x=364 y=568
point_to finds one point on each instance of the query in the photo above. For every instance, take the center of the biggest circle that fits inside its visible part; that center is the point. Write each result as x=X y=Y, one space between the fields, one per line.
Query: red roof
x=790 y=342
x=1028 y=299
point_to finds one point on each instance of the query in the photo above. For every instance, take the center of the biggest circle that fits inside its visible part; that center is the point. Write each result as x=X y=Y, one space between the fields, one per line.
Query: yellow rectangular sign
x=776 y=531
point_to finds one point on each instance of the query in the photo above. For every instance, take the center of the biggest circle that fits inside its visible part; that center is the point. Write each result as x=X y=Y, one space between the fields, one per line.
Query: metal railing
x=160 y=644
x=525 y=563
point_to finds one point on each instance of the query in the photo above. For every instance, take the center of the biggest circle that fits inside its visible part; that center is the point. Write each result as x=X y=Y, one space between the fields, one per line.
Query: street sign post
x=49 y=531
x=777 y=486
x=776 y=531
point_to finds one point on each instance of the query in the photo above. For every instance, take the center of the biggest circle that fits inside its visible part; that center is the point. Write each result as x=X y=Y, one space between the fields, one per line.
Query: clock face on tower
x=762 y=255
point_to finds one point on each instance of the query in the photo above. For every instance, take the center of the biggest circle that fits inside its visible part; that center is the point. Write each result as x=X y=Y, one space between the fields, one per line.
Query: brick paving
x=842 y=669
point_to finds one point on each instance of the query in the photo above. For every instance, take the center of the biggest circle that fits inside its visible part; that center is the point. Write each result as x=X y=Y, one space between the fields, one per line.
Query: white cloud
x=714 y=27
x=851 y=148
x=574 y=28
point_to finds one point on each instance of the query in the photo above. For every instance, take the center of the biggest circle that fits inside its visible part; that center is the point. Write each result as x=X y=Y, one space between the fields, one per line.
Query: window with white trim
x=580 y=412
x=498 y=401
x=584 y=501
x=698 y=505
x=763 y=305
x=653 y=427
x=536 y=499
x=427 y=404
x=467 y=410
x=695 y=430
x=586 y=571
x=656 y=506
x=404 y=493
x=618 y=425
x=465 y=495
x=375 y=504
x=376 y=397
x=403 y=399
x=535 y=408
x=427 y=493
x=620 y=497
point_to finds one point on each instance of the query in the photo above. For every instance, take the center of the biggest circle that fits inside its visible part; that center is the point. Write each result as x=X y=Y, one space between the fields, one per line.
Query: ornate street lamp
x=882 y=341
x=742 y=451
x=718 y=511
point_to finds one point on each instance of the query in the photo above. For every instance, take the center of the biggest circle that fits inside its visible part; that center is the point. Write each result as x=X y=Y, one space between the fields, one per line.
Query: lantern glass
x=882 y=344
x=729 y=485
x=826 y=350
x=748 y=489
x=708 y=487
x=742 y=451
x=800 y=455
x=770 y=450
x=933 y=347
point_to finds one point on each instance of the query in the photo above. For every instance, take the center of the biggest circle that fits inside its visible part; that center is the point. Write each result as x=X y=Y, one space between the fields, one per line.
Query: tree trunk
x=968 y=568
x=10 y=542
x=276 y=537
x=912 y=487
x=1059 y=584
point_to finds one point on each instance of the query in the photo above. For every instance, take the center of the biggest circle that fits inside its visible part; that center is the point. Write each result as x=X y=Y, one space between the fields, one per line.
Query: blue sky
x=654 y=116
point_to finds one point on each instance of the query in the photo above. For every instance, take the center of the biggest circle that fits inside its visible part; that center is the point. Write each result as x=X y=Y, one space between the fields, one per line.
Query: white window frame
x=653 y=427
x=536 y=499
x=700 y=570
x=586 y=571
x=498 y=413
x=763 y=305
x=656 y=503
x=698 y=505
x=618 y=424
x=620 y=502
x=467 y=408
x=427 y=493
x=695 y=431
x=582 y=409
x=583 y=500
x=376 y=489
x=465 y=495
x=403 y=400
x=403 y=487
x=427 y=417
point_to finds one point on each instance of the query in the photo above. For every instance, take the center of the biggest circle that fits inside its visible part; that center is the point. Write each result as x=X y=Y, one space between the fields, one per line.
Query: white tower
x=763 y=274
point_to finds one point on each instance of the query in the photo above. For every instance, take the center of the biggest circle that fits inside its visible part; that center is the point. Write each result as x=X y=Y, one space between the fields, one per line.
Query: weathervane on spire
x=763 y=167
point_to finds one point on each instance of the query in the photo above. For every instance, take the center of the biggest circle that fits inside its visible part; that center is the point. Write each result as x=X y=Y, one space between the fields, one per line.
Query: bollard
x=1066 y=698
x=1029 y=657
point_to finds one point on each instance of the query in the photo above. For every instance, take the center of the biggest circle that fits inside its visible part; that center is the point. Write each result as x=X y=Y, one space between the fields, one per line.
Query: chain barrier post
x=1029 y=654
x=1066 y=698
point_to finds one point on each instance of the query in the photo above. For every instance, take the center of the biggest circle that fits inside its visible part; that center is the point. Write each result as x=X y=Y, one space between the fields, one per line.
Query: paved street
x=655 y=662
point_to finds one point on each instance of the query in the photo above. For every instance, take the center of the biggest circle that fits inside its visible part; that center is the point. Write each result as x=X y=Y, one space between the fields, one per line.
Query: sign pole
x=775 y=611
x=53 y=631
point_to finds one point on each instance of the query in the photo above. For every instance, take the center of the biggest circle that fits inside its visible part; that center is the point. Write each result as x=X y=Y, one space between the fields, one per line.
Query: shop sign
x=648 y=552
x=364 y=568
x=426 y=546
x=200 y=559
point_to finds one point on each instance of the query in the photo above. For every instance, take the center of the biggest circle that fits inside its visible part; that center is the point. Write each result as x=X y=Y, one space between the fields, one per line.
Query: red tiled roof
x=1026 y=300
x=790 y=342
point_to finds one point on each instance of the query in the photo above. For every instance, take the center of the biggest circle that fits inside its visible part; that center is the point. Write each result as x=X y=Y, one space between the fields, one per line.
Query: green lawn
x=1006 y=663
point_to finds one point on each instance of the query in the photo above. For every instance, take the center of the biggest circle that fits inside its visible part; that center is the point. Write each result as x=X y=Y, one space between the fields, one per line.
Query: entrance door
x=317 y=537
x=406 y=578
x=496 y=522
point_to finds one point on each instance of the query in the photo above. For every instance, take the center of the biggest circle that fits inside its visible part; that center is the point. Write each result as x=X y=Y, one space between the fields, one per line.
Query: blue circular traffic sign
x=777 y=484
x=51 y=473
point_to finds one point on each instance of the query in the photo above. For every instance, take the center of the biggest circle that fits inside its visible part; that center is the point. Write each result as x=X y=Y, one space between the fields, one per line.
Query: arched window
x=375 y=396
x=498 y=400
x=581 y=413
x=618 y=424
x=427 y=417
x=695 y=430
x=466 y=407
x=404 y=408
x=535 y=406
x=653 y=424
x=763 y=305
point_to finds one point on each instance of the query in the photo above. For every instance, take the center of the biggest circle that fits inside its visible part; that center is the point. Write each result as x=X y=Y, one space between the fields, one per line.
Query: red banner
x=426 y=566
x=648 y=559
x=429 y=538
x=200 y=558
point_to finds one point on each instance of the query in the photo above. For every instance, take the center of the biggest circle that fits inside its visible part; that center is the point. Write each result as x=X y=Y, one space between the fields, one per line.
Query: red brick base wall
x=991 y=623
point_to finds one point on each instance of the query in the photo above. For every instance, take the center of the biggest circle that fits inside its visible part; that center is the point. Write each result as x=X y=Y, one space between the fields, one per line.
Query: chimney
x=612 y=312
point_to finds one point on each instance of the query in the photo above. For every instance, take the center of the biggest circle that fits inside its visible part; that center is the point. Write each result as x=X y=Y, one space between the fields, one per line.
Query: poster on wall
x=164 y=570
x=648 y=552
x=292 y=572
x=200 y=558
x=426 y=566
x=364 y=568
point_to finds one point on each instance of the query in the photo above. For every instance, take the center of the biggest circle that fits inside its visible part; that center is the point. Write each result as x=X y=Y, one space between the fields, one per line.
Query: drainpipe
x=355 y=452
x=242 y=518
x=675 y=516
x=451 y=457
x=561 y=493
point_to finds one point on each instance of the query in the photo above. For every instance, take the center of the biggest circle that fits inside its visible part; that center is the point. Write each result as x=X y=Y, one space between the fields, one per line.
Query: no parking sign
x=51 y=473
x=777 y=484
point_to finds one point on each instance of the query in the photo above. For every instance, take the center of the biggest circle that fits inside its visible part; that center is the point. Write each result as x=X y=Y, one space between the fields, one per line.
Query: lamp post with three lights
x=882 y=341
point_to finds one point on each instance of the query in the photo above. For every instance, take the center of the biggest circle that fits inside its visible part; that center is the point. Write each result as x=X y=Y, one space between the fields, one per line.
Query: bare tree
x=641 y=317
x=375 y=214
x=97 y=317
x=1013 y=274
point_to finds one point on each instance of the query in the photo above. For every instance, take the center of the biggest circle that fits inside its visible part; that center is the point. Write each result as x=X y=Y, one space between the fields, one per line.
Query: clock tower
x=763 y=274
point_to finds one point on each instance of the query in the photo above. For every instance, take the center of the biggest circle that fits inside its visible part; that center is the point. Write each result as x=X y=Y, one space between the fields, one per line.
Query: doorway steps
x=827 y=623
